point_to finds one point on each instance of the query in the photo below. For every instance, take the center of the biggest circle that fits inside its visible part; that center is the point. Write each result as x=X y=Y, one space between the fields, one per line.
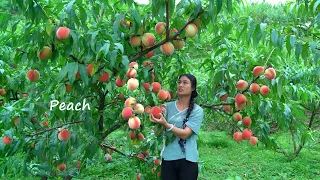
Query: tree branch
x=167 y=21
x=50 y=129
x=113 y=128
x=106 y=146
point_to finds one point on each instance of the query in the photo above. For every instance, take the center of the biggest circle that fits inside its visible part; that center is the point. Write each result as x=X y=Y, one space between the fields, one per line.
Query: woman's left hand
x=161 y=120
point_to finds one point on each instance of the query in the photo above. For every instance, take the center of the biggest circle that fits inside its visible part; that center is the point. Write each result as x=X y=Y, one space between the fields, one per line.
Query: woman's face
x=184 y=87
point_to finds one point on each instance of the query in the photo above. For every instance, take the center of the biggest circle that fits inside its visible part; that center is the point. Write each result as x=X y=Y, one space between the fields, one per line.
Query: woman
x=182 y=121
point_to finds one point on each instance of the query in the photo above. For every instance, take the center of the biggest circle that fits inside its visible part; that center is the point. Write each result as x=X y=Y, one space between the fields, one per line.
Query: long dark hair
x=194 y=94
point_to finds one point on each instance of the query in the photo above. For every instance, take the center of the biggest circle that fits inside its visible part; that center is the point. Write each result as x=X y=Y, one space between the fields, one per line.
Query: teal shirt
x=173 y=151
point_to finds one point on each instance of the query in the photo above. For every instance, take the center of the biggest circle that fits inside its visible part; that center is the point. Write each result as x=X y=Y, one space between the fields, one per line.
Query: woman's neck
x=183 y=102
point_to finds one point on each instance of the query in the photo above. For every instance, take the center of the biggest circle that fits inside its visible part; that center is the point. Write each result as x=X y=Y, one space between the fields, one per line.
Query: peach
x=134 y=122
x=167 y=48
x=148 y=110
x=138 y=176
x=140 y=156
x=153 y=170
x=179 y=44
x=237 y=136
x=246 y=121
x=45 y=53
x=246 y=134
x=264 y=90
x=127 y=112
x=156 y=86
x=33 y=75
x=62 y=167
x=135 y=41
x=254 y=88
x=141 y=137
x=146 y=153
x=133 y=84
x=148 y=64
x=237 y=116
x=240 y=99
x=157 y=162
x=191 y=30
x=134 y=65
x=227 y=108
x=162 y=95
x=131 y=73
x=45 y=123
x=2 y=92
x=156 y=112
x=119 y=82
x=89 y=69
x=160 y=28
x=240 y=106
x=77 y=75
x=130 y=102
x=146 y=87
x=242 y=85
x=107 y=157
x=258 y=70
x=139 y=109
x=270 y=73
x=120 y=96
x=63 y=33
x=224 y=97
x=253 y=140
x=159 y=174
x=68 y=88
x=132 y=135
x=78 y=164
x=15 y=121
x=6 y=140
x=150 y=54
x=148 y=39
x=104 y=77
x=64 y=135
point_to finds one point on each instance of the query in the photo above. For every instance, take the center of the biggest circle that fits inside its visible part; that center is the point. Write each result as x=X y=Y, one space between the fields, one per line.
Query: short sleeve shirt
x=173 y=151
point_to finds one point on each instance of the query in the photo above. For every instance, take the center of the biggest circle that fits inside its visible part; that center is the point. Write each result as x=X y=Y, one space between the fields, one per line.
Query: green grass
x=219 y=158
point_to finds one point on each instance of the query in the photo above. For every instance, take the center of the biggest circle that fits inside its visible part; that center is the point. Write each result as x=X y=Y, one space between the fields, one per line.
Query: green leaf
x=113 y=58
x=83 y=74
x=64 y=71
x=280 y=86
x=93 y=40
x=136 y=18
x=287 y=111
x=298 y=50
x=229 y=6
x=316 y=58
x=288 y=46
x=72 y=72
x=292 y=40
x=119 y=46
x=316 y=4
x=274 y=37
x=104 y=50
x=305 y=51
x=219 y=6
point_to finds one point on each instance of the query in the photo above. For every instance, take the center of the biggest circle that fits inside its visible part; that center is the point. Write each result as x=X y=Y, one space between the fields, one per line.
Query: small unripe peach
x=62 y=167
x=77 y=75
x=141 y=137
x=146 y=86
x=227 y=108
x=246 y=121
x=134 y=122
x=89 y=69
x=156 y=112
x=191 y=30
x=237 y=136
x=254 y=88
x=33 y=75
x=253 y=140
x=64 y=135
x=139 y=109
x=270 y=73
x=104 y=77
x=119 y=82
x=6 y=140
x=224 y=97
x=146 y=153
x=148 y=39
x=133 y=84
x=2 y=92
x=132 y=135
x=150 y=54
x=45 y=123
x=148 y=64
x=135 y=41
x=157 y=162
x=160 y=28
x=140 y=156
x=237 y=116
x=167 y=48
x=138 y=176
x=147 y=110
x=240 y=106
x=179 y=44
x=240 y=99
x=242 y=85
x=45 y=53
x=120 y=96
x=15 y=121
x=107 y=157
x=162 y=95
x=68 y=88
x=258 y=70
x=246 y=134
x=127 y=112
x=156 y=86
x=63 y=33
x=264 y=90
